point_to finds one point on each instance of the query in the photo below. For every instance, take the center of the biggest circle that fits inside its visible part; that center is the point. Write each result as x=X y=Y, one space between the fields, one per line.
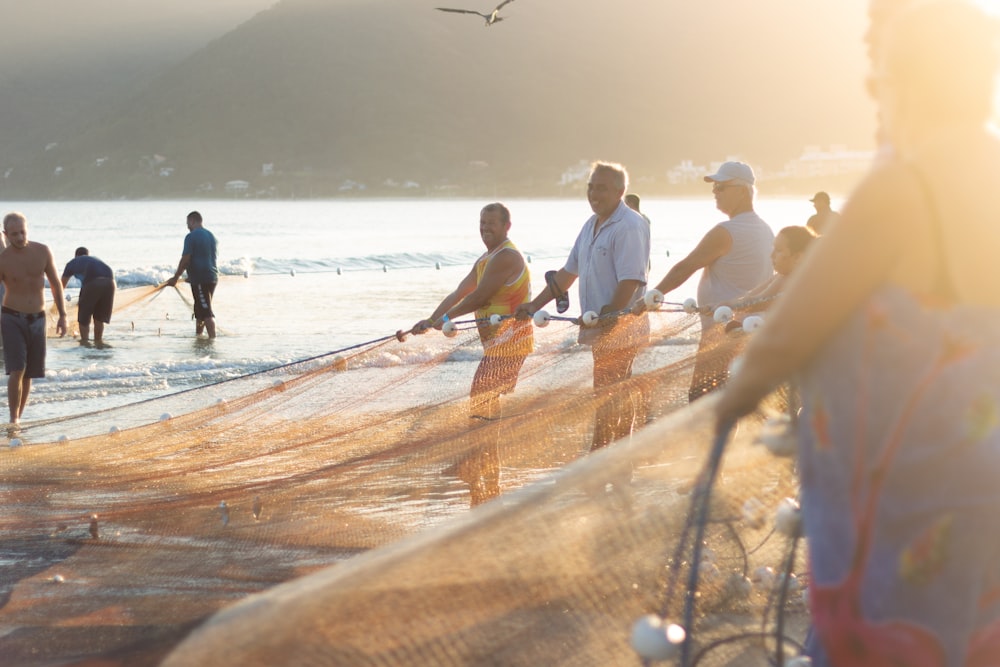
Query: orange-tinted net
x=349 y=478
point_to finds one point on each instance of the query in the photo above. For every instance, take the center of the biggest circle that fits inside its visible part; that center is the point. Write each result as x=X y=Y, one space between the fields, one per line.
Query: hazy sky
x=39 y=28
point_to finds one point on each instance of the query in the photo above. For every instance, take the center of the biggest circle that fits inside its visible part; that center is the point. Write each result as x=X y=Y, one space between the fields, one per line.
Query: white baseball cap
x=732 y=171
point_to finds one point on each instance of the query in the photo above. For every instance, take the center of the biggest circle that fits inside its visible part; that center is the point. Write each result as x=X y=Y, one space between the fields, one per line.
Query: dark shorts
x=97 y=300
x=23 y=342
x=203 y=293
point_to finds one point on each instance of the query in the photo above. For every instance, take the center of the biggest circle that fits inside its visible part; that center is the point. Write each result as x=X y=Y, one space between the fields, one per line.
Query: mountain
x=389 y=91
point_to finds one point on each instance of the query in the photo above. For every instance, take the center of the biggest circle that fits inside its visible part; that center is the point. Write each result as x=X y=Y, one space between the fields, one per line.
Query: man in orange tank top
x=498 y=283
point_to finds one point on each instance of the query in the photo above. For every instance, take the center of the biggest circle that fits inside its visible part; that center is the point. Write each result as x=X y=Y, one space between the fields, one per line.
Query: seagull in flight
x=491 y=18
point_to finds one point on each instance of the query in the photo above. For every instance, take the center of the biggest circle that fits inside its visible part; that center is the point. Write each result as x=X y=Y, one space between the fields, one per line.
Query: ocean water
x=301 y=279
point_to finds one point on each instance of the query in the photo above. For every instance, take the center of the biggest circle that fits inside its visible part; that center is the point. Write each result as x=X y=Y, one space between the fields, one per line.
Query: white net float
x=799 y=661
x=690 y=305
x=788 y=519
x=752 y=323
x=589 y=318
x=540 y=318
x=779 y=436
x=495 y=319
x=723 y=314
x=654 y=639
x=653 y=299
x=449 y=329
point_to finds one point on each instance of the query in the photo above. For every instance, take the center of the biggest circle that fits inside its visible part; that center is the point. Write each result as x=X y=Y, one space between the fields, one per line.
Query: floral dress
x=900 y=474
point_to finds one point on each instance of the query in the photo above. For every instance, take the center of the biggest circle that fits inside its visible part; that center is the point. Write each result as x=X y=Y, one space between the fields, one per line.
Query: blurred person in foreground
x=24 y=267
x=734 y=257
x=891 y=327
x=611 y=258
x=97 y=294
x=498 y=283
x=199 y=259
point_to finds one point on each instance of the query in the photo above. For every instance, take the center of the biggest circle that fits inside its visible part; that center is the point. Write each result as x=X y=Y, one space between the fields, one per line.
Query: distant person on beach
x=825 y=216
x=734 y=257
x=632 y=201
x=24 y=267
x=889 y=329
x=497 y=284
x=199 y=260
x=97 y=293
x=611 y=258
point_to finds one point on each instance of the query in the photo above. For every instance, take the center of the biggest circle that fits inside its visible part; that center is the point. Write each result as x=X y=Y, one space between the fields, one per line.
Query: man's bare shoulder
x=30 y=254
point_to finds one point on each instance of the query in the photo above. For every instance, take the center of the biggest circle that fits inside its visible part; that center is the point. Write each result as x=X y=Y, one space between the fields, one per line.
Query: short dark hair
x=194 y=215
x=498 y=207
x=799 y=237
x=81 y=251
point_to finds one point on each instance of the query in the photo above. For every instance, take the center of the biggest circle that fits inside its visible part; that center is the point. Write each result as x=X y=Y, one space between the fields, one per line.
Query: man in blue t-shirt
x=199 y=260
x=97 y=294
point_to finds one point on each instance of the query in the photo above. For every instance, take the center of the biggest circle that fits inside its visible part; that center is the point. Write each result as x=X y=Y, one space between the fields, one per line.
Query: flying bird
x=491 y=18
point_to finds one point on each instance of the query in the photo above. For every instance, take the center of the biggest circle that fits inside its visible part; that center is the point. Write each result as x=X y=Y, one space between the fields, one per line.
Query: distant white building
x=815 y=162
x=237 y=186
x=686 y=172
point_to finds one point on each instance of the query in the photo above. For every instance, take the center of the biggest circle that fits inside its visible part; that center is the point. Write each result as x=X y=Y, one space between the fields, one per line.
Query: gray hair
x=621 y=175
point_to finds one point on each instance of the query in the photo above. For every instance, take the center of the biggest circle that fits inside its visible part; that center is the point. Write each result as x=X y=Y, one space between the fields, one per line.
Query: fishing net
x=402 y=531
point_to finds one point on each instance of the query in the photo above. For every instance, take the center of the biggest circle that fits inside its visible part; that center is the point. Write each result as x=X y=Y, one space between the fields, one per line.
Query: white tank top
x=746 y=265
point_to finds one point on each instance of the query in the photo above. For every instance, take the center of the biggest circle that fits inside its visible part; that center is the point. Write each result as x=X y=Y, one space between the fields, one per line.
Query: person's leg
x=615 y=412
x=716 y=351
x=85 y=332
x=480 y=469
x=104 y=308
x=25 y=390
x=203 y=315
x=14 y=395
x=14 y=331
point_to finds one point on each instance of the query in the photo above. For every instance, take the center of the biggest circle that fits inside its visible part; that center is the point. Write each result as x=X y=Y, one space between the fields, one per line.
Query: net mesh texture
x=401 y=531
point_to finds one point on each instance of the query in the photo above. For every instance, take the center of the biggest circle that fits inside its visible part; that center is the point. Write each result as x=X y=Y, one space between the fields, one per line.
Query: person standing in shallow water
x=97 y=293
x=199 y=259
x=24 y=267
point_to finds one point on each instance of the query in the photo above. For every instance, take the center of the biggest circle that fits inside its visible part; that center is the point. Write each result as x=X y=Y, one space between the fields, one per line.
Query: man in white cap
x=734 y=256
x=824 y=217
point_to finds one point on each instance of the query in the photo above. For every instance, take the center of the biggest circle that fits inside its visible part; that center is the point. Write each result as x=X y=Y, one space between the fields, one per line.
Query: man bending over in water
x=24 y=267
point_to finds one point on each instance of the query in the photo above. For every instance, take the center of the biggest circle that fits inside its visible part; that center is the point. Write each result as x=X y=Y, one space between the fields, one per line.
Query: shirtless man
x=24 y=267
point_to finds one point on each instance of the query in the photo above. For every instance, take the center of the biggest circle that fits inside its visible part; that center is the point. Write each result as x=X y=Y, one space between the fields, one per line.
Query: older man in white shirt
x=610 y=259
